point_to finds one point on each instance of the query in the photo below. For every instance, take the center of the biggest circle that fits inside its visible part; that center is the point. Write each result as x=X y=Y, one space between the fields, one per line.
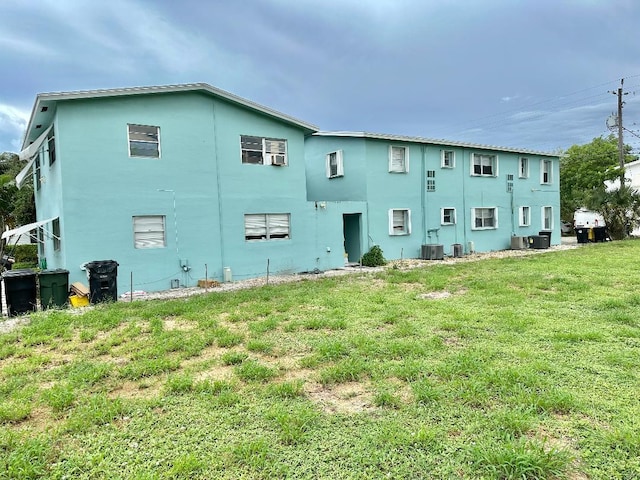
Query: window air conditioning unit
x=432 y=251
x=278 y=160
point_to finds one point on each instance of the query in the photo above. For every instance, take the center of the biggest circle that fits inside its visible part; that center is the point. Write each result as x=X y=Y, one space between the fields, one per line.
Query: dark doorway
x=351 y=224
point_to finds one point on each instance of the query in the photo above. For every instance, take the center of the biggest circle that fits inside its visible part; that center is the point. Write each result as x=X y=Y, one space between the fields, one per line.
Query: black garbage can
x=20 y=291
x=600 y=234
x=582 y=235
x=54 y=288
x=545 y=233
x=103 y=280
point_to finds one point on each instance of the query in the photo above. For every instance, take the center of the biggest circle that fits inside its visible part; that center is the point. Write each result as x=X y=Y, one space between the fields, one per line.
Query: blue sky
x=521 y=73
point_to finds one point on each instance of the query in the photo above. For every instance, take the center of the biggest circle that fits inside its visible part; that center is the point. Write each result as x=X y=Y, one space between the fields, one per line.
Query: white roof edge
x=185 y=87
x=431 y=141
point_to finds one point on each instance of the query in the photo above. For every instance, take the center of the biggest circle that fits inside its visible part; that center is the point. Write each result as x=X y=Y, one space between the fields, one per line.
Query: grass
x=528 y=370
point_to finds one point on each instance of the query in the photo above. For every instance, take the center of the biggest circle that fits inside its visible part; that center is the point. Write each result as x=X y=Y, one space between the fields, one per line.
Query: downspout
x=219 y=193
x=464 y=201
x=423 y=187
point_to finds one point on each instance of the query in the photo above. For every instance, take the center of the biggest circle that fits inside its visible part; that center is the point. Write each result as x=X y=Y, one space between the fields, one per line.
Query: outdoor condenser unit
x=519 y=243
x=432 y=251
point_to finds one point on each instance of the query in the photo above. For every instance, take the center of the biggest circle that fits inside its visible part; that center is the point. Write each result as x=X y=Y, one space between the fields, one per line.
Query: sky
x=531 y=74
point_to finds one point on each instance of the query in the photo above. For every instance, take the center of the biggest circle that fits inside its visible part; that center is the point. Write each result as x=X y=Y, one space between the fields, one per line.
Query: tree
x=17 y=206
x=620 y=208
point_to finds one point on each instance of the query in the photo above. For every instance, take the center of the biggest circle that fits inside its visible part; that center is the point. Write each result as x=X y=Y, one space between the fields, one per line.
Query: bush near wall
x=26 y=255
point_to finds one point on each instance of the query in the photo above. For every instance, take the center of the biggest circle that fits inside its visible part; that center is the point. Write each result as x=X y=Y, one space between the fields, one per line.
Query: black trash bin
x=582 y=235
x=54 y=288
x=545 y=233
x=103 y=280
x=20 y=291
x=600 y=234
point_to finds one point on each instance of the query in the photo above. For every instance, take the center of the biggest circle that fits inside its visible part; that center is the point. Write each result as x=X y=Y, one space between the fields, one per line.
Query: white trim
x=455 y=219
x=406 y=159
x=453 y=158
x=495 y=217
x=542 y=209
x=407 y=220
x=494 y=164
x=339 y=164
x=520 y=173
x=521 y=215
x=543 y=162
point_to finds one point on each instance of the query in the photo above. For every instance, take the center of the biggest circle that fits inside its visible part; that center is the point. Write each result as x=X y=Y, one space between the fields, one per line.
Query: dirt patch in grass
x=136 y=390
x=218 y=372
x=173 y=323
x=350 y=397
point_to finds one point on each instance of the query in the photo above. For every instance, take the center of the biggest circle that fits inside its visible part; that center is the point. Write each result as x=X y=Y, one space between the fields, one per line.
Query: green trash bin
x=54 y=288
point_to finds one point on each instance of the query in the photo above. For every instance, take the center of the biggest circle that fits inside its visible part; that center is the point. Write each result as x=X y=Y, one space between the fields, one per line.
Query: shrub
x=374 y=257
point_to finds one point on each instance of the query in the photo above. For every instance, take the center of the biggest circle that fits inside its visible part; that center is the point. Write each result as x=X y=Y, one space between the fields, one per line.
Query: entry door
x=351 y=225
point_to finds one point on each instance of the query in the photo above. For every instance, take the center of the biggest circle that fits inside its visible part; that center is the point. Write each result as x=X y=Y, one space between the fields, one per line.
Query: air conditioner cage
x=278 y=160
x=432 y=251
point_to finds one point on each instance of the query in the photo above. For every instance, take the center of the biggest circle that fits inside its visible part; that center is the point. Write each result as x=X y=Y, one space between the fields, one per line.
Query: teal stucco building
x=178 y=182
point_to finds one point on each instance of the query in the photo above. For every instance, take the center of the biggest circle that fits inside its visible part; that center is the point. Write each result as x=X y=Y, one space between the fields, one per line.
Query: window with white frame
x=523 y=167
x=547 y=218
x=263 y=151
x=144 y=141
x=524 y=216
x=448 y=159
x=545 y=171
x=484 y=218
x=398 y=159
x=55 y=230
x=149 y=231
x=335 y=167
x=399 y=221
x=447 y=216
x=484 y=165
x=266 y=226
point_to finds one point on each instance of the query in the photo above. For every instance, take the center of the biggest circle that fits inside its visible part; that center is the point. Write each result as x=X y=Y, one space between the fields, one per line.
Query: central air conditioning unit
x=539 y=241
x=519 y=243
x=432 y=251
x=278 y=160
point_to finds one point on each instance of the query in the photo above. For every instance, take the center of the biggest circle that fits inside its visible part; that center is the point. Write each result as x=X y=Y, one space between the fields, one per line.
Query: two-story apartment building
x=178 y=182
x=420 y=191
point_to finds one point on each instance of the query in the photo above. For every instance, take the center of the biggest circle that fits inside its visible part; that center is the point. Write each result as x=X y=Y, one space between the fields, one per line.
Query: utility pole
x=620 y=130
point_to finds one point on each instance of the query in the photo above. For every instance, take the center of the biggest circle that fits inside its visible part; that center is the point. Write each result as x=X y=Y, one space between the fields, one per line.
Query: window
x=40 y=235
x=266 y=226
x=398 y=159
x=55 y=230
x=51 y=145
x=524 y=167
x=399 y=222
x=484 y=218
x=431 y=182
x=448 y=216
x=335 y=167
x=144 y=141
x=547 y=218
x=149 y=231
x=263 y=151
x=484 y=165
x=448 y=159
x=545 y=171
x=509 y=183
x=524 y=217
x=37 y=171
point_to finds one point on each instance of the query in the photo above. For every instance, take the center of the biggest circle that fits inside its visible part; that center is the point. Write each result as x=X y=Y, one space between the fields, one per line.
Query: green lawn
x=528 y=369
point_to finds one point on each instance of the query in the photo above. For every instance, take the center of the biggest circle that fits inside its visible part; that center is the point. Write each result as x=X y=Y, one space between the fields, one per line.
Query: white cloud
x=13 y=122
